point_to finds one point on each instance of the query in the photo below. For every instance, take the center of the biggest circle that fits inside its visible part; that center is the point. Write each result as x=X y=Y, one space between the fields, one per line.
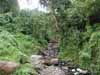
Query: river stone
x=52 y=70
x=36 y=61
x=8 y=66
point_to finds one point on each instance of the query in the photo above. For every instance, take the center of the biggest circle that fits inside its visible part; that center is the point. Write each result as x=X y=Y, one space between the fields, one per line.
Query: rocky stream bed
x=46 y=62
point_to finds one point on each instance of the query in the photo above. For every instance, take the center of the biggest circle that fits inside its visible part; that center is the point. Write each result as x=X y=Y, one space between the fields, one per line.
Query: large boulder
x=52 y=70
x=8 y=66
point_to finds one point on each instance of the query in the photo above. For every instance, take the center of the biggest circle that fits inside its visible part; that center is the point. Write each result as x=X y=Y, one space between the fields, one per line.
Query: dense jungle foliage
x=75 y=24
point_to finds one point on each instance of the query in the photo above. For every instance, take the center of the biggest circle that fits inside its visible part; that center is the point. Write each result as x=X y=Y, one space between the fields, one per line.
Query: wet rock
x=37 y=61
x=8 y=66
x=82 y=71
x=52 y=70
x=51 y=51
x=79 y=71
x=53 y=61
